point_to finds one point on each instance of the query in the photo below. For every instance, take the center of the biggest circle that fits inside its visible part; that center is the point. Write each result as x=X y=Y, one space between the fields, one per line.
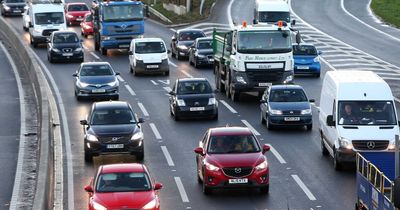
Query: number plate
x=152 y=66
x=303 y=67
x=264 y=84
x=67 y=54
x=292 y=118
x=98 y=91
x=124 y=46
x=238 y=181
x=264 y=65
x=79 y=19
x=115 y=146
x=196 y=109
x=17 y=11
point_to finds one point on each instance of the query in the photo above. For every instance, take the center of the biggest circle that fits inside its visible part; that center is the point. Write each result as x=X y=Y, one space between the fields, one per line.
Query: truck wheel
x=217 y=76
x=336 y=163
x=325 y=152
x=234 y=94
x=103 y=51
x=88 y=157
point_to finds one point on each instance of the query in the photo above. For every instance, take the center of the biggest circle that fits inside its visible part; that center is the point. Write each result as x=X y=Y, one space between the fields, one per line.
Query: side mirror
x=130 y=52
x=255 y=21
x=141 y=120
x=199 y=151
x=229 y=48
x=173 y=39
x=48 y=40
x=30 y=24
x=168 y=51
x=330 y=121
x=88 y=188
x=293 y=22
x=319 y=52
x=172 y=93
x=266 y=148
x=311 y=100
x=158 y=186
x=298 y=37
x=117 y=73
x=84 y=122
x=263 y=101
x=396 y=191
x=75 y=74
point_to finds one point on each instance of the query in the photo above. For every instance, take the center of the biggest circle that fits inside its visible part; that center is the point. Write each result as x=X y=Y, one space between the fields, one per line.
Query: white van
x=44 y=18
x=357 y=113
x=272 y=11
x=148 y=55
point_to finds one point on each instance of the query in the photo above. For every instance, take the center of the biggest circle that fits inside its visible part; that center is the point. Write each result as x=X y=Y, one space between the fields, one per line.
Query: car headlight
x=345 y=143
x=137 y=136
x=78 y=49
x=275 y=112
x=91 y=137
x=105 y=38
x=114 y=83
x=180 y=102
x=6 y=7
x=392 y=145
x=82 y=84
x=316 y=59
x=164 y=56
x=182 y=47
x=211 y=167
x=55 y=50
x=138 y=57
x=262 y=166
x=306 y=111
x=87 y=27
x=37 y=30
x=69 y=16
x=240 y=79
x=288 y=79
x=290 y=63
x=212 y=101
x=98 y=206
x=150 y=205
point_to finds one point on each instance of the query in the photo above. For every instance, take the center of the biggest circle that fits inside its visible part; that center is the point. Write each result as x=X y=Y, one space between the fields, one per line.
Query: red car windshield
x=233 y=144
x=123 y=182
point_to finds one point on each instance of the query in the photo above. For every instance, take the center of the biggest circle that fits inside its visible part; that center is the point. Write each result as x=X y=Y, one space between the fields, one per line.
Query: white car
x=148 y=55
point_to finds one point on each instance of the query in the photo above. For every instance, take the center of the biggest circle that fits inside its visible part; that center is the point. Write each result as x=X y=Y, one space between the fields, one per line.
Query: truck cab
x=272 y=11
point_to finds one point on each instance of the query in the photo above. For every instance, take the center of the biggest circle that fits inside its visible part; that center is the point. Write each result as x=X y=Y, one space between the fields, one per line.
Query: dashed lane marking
x=155 y=131
x=303 y=187
x=228 y=106
x=181 y=189
x=251 y=127
x=277 y=155
x=130 y=90
x=145 y=113
x=167 y=156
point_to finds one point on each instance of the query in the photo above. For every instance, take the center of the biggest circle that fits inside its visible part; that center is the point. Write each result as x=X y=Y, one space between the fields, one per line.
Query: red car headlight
x=151 y=205
x=211 y=167
x=98 y=206
x=262 y=166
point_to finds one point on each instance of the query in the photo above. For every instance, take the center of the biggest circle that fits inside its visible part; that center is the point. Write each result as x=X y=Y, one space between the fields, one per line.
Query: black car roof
x=105 y=105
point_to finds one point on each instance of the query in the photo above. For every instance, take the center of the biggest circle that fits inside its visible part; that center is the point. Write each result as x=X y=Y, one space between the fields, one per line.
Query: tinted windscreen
x=15 y=1
x=264 y=42
x=304 y=50
x=366 y=113
x=204 y=44
x=49 y=18
x=233 y=144
x=123 y=13
x=112 y=117
x=190 y=35
x=77 y=8
x=287 y=95
x=272 y=17
x=96 y=70
x=123 y=182
x=65 y=38
x=149 y=47
x=194 y=87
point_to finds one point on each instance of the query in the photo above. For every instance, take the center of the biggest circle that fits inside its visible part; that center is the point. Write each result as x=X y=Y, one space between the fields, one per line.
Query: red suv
x=232 y=157
x=123 y=186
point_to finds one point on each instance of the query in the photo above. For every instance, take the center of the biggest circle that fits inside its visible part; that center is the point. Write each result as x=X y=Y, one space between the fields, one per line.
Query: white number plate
x=292 y=118
x=79 y=19
x=17 y=11
x=303 y=67
x=196 y=109
x=67 y=54
x=124 y=46
x=115 y=146
x=265 y=84
x=238 y=181
x=98 y=91
x=152 y=66
x=264 y=65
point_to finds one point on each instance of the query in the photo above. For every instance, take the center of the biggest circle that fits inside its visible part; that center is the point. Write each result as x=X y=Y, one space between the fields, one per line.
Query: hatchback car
x=182 y=40
x=96 y=79
x=201 y=52
x=64 y=46
x=123 y=186
x=75 y=12
x=192 y=97
x=231 y=157
x=87 y=25
x=306 y=59
x=112 y=128
x=286 y=105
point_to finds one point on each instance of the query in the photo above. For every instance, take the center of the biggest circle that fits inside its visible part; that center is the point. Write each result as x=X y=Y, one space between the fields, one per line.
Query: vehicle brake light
x=244 y=24
x=280 y=24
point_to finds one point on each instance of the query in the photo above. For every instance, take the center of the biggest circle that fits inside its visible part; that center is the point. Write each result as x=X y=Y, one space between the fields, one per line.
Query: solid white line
x=343 y=60
x=181 y=189
x=187 y=74
x=251 y=127
x=155 y=131
x=229 y=13
x=145 y=113
x=168 y=89
x=154 y=82
x=167 y=156
x=353 y=64
x=130 y=90
x=94 y=55
x=120 y=78
x=172 y=64
x=277 y=155
x=228 y=107
x=21 y=149
x=304 y=187
x=372 y=13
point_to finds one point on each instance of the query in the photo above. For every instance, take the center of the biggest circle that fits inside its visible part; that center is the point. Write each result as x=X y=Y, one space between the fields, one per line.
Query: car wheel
x=262 y=118
x=325 y=152
x=206 y=190
x=175 y=116
x=309 y=127
x=115 y=98
x=317 y=75
x=140 y=156
x=135 y=73
x=130 y=69
x=190 y=60
x=269 y=126
x=88 y=157
x=172 y=53
x=336 y=162
x=50 y=58
x=103 y=51
x=85 y=35
x=215 y=117
x=177 y=56
x=264 y=190
x=166 y=73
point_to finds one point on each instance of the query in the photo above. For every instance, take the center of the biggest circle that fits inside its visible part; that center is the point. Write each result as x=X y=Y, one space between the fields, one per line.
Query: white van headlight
x=345 y=143
x=392 y=145
x=138 y=57
x=288 y=79
x=164 y=56
x=6 y=7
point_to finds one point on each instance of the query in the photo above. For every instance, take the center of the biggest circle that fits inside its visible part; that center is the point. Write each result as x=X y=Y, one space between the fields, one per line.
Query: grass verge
x=387 y=10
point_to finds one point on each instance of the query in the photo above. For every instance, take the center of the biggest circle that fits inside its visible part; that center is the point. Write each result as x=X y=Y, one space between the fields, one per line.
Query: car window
x=123 y=182
x=96 y=70
x=193 y=87
x=149 y=47
x=233 y=144
x=77 y=8
x=288 y=95
x=304 y=50
x=65 y=38
x=206 y=44
x=190 y=35
x=112 y=116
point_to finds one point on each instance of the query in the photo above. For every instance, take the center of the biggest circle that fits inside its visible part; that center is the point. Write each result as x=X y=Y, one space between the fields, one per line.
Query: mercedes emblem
x=371 y=145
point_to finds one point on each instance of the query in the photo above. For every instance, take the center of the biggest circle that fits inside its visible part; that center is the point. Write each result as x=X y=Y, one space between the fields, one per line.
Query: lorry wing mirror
x=298 y=37
x=330 y=121
x=396 y=193
x=293 y=22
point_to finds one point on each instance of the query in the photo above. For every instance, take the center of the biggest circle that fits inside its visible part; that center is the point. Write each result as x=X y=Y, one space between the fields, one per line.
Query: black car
x=112 y=127
x=96 y=79
x=286 y=105
x=201 y=52
x=12 y=7
x=182 y=40
x=193 y=97
x=64 y=46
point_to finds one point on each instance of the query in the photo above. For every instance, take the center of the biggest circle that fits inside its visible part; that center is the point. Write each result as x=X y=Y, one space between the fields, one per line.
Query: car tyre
x=50 y=58
x=268 y=124
x=88 y=157
x=166 y=73
x=195 y=64
x=262 y=118
x=206 y=190
x=264 y=190
x=103 y=51
x=172 y=53
x=177 y=56
x=317 y=75
x=309 y=127
x=140 y=156
x=215 y=117
x=336 y=163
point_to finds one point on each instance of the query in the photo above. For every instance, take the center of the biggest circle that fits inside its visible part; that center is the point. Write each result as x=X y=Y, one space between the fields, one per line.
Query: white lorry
x=272 y=11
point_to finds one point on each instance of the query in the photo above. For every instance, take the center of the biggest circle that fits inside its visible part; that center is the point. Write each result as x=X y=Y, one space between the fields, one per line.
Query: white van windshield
x=366 y=113
x=49 y=18
x=272 y=17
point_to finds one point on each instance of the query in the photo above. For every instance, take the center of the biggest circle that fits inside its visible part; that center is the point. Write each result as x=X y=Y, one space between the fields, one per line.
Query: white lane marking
x=154 y=82
x=277 y=155
x=343 y=60
x=303 y=187
x=21 y=149
x=155 y=131
x=181 y=189
x=187 y=74
x=391 y=78
x=229 y=13
x=369 y=26
x=168 y=89
x=120 y=78
x=166 y=82
x=206 y=24
x=251 y=127
x=94 y=55
x=372 y=14
x=130 y=90
x=228 y=107
x=167 y=156
x=145 y=113
x=172 y=64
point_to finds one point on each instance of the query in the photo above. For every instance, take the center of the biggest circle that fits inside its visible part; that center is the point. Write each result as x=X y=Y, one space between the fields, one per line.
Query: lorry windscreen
x=366 y=113
x=113 y=13
x=49 y=18
x=272 y=17
x=258 y=42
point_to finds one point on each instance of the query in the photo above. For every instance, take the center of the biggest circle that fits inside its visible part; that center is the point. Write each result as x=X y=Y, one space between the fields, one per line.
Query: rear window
x=304 y=50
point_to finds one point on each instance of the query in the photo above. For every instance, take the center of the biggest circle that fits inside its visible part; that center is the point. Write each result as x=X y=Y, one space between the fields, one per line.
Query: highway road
x=301 y=178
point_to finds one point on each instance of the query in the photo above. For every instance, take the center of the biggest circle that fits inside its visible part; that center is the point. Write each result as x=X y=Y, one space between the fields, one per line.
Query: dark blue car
x=306 y=59
x=286 y=105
